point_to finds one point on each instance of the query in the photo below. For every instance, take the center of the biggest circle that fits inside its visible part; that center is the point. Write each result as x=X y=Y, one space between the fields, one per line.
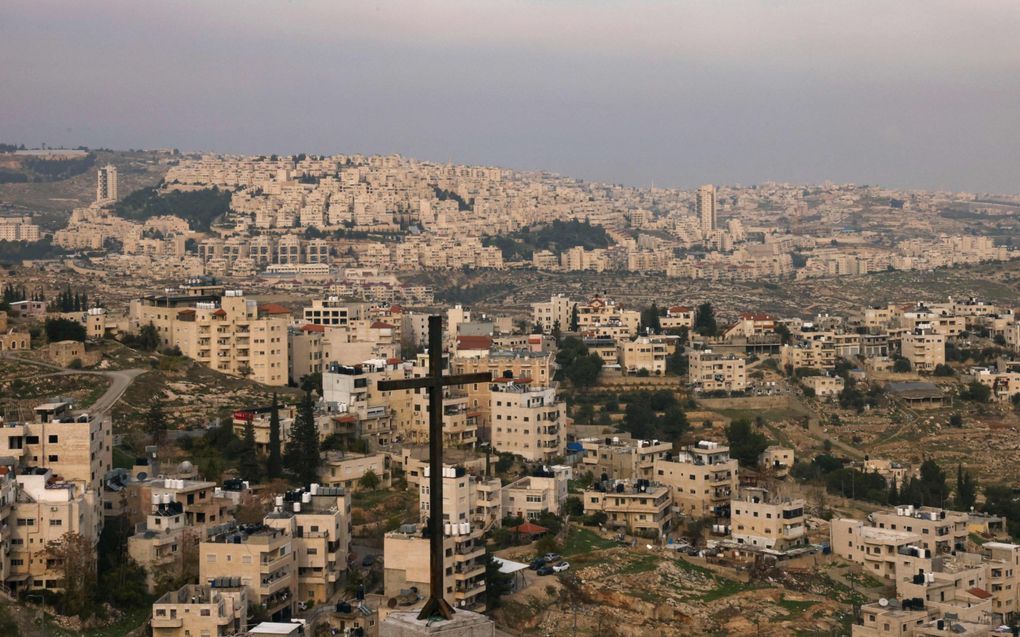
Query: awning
x=509 y=566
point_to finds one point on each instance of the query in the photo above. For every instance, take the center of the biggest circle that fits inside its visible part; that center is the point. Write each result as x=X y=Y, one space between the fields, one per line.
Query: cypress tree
x=273 y=462
x=249 y=464
x=302 y=457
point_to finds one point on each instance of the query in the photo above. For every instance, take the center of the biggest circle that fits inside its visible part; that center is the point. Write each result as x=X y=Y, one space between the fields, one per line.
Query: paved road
x=120 y=380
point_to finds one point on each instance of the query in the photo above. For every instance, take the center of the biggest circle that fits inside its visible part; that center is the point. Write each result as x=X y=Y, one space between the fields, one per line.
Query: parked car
x=562 y=566
x=551 y=557
x=546 y=570
x=368 y=560
x=537 y=563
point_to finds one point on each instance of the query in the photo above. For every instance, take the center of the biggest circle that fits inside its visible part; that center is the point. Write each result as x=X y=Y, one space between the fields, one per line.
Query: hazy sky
x=917 y=93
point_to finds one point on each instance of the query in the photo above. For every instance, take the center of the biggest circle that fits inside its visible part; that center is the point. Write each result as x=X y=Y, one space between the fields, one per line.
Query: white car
x=562 y=566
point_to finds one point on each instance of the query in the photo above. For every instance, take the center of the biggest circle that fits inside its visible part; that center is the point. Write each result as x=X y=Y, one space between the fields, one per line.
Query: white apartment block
x=527 y=421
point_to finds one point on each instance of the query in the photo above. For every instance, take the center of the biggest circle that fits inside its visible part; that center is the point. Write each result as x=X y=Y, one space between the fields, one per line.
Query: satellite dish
x=883 y=602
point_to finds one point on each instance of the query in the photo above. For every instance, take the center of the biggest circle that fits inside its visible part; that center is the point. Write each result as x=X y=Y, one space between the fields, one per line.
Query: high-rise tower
x=106 y=184
x=706 y=208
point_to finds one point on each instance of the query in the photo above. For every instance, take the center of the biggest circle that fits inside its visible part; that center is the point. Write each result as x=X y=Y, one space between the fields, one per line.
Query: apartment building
x=18 y=229
x=816 y=352
x=460 y=422
x=640 y=507
x=879 y=550
x=555 y=312
x=643 y=353
x=677 y=317
x=824 y=386
x=1002 y=560
x=304 y=351
x=765 y=520
x=218 y=609
x=378 y=416
x=227 y=333
x=924 y=349
x=59 y=460
x=776 y=460
x=709 y=371
x=531 y=496
x=204 y=505
x=318 y=521
x=622 y=458
x=702 y=478
x=504 y=365
x=466 y=498
x=262 y=558
x=406 y=562
x=346 y=469
x=941 y=531
x=527 y=421
x=158 y=546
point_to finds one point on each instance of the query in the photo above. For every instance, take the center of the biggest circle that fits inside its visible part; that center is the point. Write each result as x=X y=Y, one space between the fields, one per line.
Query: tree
x=369 y=481
x=704 y=320
x=61 y=329
x=783 y=332
x=312 y=382
x=977 y=392
x=574 y=318
x=302 y=457
x=148 y=338
x=650 y=320
x=273 y=462
x=248 y=465
x=932 y=483
x=894 y=496
x=956 y=420
x=745 y=443
x=966 y=490
x=943 y=370
x=497 y=584
x=556 y=332
x=901 y=365
x=75 y=560
x=156 y=423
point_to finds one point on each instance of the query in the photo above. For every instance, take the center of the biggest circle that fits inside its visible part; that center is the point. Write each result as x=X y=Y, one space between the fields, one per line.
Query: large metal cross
x=434 y=382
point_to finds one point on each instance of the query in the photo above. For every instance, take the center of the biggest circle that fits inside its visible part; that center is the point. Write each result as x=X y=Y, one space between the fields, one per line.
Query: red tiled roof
x=474 y=342
x=220 y=312
x=528 y=528
x=186 y=311
x=347 y=418
x=273 y=308
x=980 y=593
x=380 y=325
x=678 y=309
x=396 y=309
x=393 y=361
x=310 y=327
x=756 y=316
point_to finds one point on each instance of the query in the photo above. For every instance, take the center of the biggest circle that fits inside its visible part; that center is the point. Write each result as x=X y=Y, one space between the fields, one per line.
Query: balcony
x=167 y=622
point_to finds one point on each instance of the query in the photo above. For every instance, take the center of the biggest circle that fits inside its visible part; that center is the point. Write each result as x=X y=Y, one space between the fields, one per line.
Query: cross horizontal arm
x=445 y=381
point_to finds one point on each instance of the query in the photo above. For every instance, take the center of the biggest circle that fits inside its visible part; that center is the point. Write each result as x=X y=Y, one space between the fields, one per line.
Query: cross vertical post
x=437 y=572
x=434 y=382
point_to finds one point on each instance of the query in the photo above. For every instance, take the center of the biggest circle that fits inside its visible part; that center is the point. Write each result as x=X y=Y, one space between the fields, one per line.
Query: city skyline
x=905 y=96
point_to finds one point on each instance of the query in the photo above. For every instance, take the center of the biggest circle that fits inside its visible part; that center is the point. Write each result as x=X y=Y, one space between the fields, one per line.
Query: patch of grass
x=795 y=607
x=642 y=564
x=726 y=587
x=977 y=539
x=122 y=459
x=584 y=541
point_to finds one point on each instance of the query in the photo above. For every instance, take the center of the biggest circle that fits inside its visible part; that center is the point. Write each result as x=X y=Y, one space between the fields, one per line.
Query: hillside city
x=778 y=409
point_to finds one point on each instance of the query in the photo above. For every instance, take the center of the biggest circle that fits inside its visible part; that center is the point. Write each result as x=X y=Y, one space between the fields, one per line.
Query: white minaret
x=706 y=208
x=106 y=184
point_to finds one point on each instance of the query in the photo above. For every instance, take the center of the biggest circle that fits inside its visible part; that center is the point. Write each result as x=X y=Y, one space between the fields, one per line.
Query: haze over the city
x=907 y=94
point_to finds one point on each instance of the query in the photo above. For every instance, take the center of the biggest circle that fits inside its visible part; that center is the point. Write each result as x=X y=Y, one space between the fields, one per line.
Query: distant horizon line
x=651 y=186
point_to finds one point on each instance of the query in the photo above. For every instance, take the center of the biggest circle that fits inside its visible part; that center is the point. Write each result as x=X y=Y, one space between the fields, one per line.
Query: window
x=53 y=438
x=56 y=522
x=53 y=458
